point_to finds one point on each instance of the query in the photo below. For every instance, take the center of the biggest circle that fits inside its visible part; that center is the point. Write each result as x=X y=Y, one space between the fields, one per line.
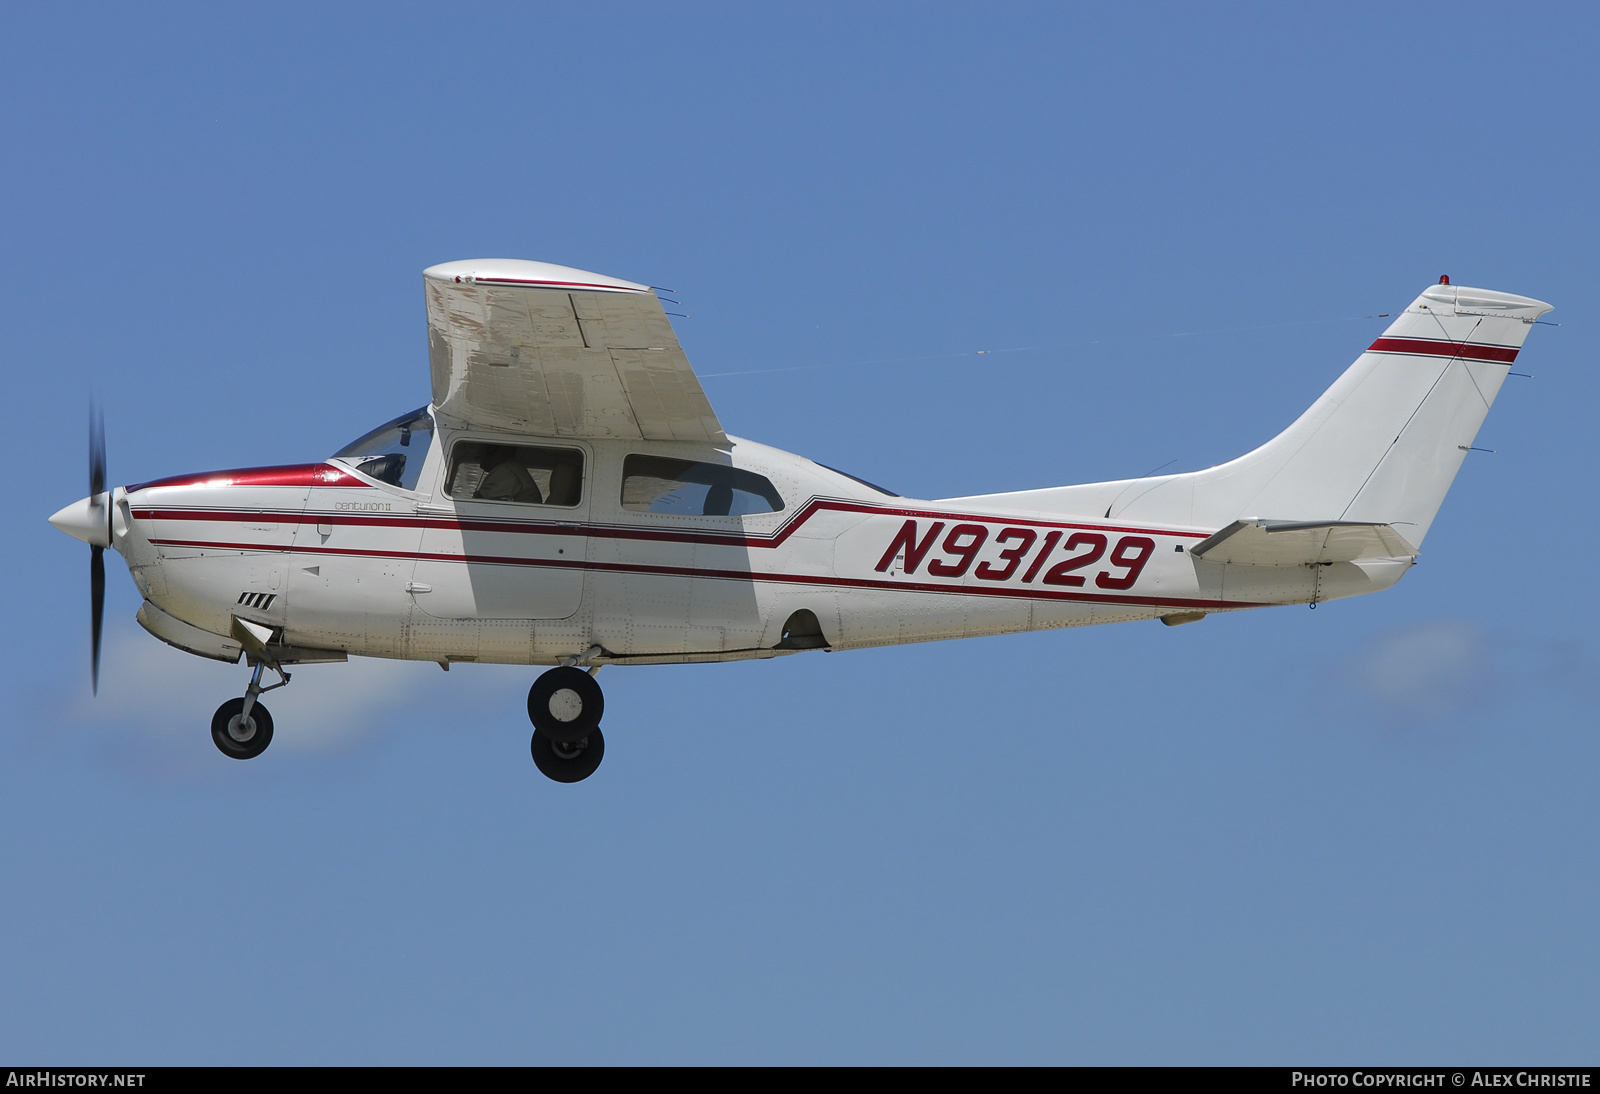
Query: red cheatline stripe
x=608 y=531
x=553 y=284
x=730 y=575
x=302 y=474
x=1426 y=347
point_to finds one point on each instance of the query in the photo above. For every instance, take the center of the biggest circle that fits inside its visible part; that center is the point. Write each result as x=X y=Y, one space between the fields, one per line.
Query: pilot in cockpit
x=505 y=478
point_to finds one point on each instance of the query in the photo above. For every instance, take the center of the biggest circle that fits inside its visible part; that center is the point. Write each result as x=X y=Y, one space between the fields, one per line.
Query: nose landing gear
x=242 y=727
x=565 y=706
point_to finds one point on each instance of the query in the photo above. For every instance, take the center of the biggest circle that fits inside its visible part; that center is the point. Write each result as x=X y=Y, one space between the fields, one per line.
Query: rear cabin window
x=508 y=472
x=656 y=484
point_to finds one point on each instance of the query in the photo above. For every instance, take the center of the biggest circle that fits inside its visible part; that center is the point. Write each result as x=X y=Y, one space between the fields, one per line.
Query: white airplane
x=570 y=499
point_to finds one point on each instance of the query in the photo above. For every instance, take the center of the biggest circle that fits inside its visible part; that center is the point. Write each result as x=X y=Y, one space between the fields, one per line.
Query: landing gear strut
x=565 y=706
x=242 y=728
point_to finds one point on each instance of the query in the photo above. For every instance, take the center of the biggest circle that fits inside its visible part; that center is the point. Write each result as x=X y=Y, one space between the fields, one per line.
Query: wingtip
x=535 y=275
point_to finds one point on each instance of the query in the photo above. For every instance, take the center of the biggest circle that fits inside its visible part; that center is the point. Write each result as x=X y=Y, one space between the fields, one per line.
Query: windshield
x=394 y=452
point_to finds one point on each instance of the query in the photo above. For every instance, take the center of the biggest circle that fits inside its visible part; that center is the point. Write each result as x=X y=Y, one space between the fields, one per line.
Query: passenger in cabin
x=719 y=501
x=506 y=479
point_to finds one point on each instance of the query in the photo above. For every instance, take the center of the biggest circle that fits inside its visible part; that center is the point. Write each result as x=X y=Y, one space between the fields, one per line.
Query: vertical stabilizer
x=1382 y=445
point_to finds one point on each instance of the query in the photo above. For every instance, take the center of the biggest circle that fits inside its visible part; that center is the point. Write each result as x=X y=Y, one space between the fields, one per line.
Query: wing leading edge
x=549 y=351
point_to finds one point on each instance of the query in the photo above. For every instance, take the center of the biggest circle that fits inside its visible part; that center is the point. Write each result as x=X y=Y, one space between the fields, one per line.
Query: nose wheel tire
x=565 y=704
x=568 y=761
x=241 y=738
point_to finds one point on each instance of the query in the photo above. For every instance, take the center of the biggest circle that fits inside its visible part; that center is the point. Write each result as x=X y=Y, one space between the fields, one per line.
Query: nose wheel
x=238 y=735
x=242 y=727
x=565 y=706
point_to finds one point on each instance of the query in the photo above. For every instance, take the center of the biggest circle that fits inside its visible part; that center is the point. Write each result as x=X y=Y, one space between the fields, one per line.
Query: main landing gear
x=242 y=728
x=565 y=705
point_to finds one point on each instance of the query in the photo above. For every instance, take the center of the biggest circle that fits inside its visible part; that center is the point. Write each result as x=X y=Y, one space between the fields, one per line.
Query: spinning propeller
x=90 y=521
x=100 y=507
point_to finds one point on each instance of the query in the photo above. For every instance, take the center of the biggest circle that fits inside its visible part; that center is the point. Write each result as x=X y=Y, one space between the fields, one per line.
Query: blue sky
x=1360 y=834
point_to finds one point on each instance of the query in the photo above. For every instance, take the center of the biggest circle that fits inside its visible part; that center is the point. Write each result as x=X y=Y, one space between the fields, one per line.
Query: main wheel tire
x=568 y=762
x=565 y=704
x=239 y=739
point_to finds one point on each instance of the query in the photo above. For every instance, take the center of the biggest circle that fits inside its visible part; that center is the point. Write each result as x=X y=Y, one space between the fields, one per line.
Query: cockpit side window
x=514 y=472
x=395 y=451
x=657 y=484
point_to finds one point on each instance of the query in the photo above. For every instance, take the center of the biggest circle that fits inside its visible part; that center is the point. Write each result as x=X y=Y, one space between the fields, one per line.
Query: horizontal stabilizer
x=1301 y=543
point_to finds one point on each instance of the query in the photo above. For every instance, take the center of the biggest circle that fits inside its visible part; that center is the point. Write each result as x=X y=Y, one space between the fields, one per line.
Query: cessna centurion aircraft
x=569 y=498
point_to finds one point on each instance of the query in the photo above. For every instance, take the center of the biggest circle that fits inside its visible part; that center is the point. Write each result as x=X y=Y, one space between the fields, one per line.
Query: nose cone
x=88 y=520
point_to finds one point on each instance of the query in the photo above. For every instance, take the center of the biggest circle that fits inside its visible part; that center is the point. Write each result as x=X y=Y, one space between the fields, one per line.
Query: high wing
x=528 y=347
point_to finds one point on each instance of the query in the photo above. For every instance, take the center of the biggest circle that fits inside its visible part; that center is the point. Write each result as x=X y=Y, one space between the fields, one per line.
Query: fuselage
x=617 y=555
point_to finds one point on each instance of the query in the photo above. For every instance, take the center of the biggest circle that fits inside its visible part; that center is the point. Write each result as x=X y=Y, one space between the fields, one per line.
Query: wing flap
x=531 y=348
x=1301 y=543
x=666 y=408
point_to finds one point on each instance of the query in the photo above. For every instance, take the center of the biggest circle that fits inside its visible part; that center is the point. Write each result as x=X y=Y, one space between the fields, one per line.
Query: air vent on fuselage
x=802 y=631
x=257 y=600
